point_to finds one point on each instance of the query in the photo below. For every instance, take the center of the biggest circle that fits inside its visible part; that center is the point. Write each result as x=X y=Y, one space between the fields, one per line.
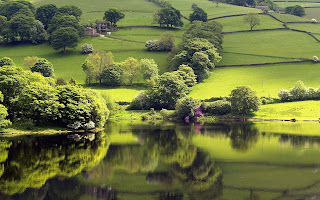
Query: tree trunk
x=64 y=50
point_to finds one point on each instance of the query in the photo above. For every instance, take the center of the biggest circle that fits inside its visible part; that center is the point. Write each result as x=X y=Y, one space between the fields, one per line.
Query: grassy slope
x=137 y=12
x=289 y=18
x=273 y=78
x=298 y=110
x=237 y=23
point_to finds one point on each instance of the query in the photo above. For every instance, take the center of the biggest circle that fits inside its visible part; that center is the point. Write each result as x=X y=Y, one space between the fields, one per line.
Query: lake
x=134 y=160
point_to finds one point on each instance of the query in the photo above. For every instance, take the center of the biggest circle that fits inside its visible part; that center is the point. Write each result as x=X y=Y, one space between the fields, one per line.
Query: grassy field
x=303 y=110
x=313 y=13
x=265 y=80
x=302 y=4
x=137 y=12
x=237 y=23
x=289 y=18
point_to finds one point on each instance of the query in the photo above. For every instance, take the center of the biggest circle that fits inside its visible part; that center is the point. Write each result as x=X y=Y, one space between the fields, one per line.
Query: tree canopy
x=64 y=37
x=45 y=13
x=244 y=100
x=168 y=16
x=113 y=15
x=252 y=19
x=198 y=15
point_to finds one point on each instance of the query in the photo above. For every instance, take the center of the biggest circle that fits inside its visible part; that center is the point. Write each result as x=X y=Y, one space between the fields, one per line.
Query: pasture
x=137 y=12
x=265 y=80
x=231 y=24
x=289 y=18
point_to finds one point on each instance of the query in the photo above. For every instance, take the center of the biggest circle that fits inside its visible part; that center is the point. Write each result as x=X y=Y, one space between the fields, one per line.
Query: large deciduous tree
x=45 y=13
x=113 y=15
x=64 y=37
x=65 y=21
x=168 y=16
x=198 y=15
x=130 y=69
x=252 y=19
x=70 y=10
x=244 y=100
x=20 y=25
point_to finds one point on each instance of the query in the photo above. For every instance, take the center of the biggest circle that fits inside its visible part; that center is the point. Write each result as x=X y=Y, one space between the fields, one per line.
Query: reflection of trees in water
x=300 y=141
x=243 y=136
x=31 y=162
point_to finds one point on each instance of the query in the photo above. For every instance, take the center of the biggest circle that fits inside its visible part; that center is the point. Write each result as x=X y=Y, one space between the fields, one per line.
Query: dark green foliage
x=3 y=114
x=187 y=75
x=64 y=37
x=3 y=23
x=295 y=10
x=211 y=30
x=70 y=10
x=29 y=5
x=44 y=67
x=149 y=69
x=113 y=15
x=20 y=25
x=186 y=107
x=168 y=88
x=61 y=81
x=198 y=15
x=161 y=3
x=169 y=16
x=45 y=13
x=112 y=75
x=140 y=102
x=60 y=21
x=25 y=11
x=37 y=33
x=244 y=100
x=10 y=8
x=219 y=107
x=6 y=61
x=200 y=55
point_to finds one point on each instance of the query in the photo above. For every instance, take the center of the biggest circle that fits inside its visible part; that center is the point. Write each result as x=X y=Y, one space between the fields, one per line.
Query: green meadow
x=265 y=80
x=137 y=12
x=289 y=18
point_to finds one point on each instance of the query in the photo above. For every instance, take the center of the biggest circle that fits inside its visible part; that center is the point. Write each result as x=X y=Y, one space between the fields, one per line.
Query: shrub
x=165 y=113
x=140 y=102
x=87 y=48
x=284 y=95
x=315 y=59
x=61 y=81
x=219 y=107
x=185 y=107
x=6 y=61
x=298 y=92
x=165 y=43
x=194 y=5
x=152 y=45
x=44 y=67
x=313 y=20
x=204 y=107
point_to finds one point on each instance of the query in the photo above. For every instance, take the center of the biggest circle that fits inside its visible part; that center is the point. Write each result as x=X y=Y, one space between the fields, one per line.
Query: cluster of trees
x=299 y=93
x=168 y=16
x=253 y=3
x=20 y=21
x=101 y=68
x=31 y=96
x=165 y=91
x=295 y=10
x=161 y=3
x=165 y=43
x=198 y=14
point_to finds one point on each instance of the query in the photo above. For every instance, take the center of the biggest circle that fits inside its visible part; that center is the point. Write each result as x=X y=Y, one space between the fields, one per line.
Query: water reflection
x=165 y=162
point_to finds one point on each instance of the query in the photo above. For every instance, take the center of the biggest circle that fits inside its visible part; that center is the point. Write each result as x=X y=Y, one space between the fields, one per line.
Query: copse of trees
x=101 y=68
x=169 y=17
x=28 y=95
x=45 y=13
x=295 y=10
x=299 y=93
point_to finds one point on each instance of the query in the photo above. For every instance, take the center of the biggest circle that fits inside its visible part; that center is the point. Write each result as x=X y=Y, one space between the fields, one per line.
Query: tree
x=187 y=75
x=200 y=54
x=130 y=69
x=149 y=69
x=20 y=25
x=112 y=75
x=60 y=21
x=113 y=15
x=37 y=33
x=210 y=30
x=169 y=87
x=166 y=41
x=45 y=13
x=64 y=37
x=244 y=100
x=252 y=19
x=3 y=23
x=6 y=61
x=29 y=61
x=10 y=8
x=44 y=67
x=70 y=10
x=3 y=114
x=185 y=107
x=168 y=16
x=295 y=10
x=198 y=14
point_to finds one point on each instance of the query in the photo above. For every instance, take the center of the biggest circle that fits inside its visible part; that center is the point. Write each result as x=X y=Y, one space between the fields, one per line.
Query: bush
x=185 y=107
x=315 y=59
x=5 y=61
x=87 y=48
x=298 y=92
x=284 y=95
x=140 y=102
x=165 y=43
x=165 y=113
x=44 y=67
x=61 y=81
x=219 y=107
x=153 y=45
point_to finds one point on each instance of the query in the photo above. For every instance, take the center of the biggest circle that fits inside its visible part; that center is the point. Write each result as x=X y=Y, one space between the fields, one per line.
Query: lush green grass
x=123 y=93
x=313 y=13
x=137 y=12
x=271 y=77
x=298 y=110
x=302 y=4
x=313 y=28
x=231 y=24
x=211 y=8
x=280 y=44
x=289 y=18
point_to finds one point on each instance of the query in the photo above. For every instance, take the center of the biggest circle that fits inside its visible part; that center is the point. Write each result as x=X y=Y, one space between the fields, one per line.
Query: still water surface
x=165 y=161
